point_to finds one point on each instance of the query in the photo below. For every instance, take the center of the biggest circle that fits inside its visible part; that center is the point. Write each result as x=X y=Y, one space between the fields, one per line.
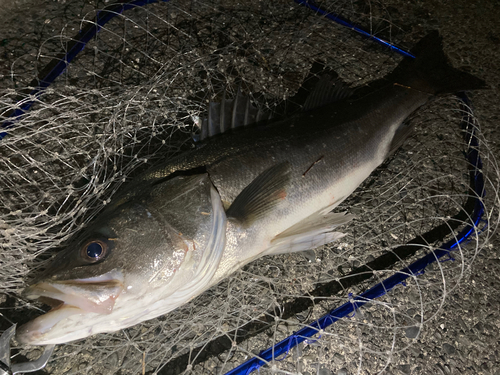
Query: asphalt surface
x=464 y=337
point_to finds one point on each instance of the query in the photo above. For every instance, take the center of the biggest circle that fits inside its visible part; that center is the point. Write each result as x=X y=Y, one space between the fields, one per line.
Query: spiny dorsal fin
x=230 y=114
x=261 y=195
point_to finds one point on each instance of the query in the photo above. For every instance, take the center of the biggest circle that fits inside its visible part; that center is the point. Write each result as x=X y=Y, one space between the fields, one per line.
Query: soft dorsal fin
x=327 y=90
x=261 y=195
x=321 y=86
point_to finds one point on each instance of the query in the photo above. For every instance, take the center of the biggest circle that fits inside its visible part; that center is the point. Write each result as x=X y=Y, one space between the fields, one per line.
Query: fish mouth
x=69 y=297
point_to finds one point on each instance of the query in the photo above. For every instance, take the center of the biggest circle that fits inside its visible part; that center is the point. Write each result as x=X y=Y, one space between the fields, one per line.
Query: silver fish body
x=184 y=226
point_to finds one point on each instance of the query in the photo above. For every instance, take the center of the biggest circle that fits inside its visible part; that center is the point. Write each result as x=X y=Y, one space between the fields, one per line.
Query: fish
x=245 y=192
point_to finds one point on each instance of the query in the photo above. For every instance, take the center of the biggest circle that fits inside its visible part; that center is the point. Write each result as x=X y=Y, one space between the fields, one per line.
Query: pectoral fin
x=263 y=193
x=315 y=230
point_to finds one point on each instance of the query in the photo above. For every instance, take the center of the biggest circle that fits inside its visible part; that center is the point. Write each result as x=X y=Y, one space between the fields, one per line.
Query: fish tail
x=430 y=71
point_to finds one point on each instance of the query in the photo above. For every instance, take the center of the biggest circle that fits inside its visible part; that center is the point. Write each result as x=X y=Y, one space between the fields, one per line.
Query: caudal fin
x=430 y=70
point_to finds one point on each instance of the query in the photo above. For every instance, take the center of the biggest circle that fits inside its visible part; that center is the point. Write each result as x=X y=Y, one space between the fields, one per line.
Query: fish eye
x=94 y=250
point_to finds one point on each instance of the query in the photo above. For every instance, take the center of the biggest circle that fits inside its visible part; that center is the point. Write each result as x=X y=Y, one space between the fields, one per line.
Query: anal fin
x=315 y=230
x=402 y=133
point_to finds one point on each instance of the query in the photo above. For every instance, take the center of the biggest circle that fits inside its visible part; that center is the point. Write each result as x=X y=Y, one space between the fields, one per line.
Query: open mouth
x=90 y=297
x=94 y=295
x=53 y=303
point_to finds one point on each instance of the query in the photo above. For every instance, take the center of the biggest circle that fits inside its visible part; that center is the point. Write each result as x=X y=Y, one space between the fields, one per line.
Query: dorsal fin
x=320 y=87
x=327 y=90
x=229 y=114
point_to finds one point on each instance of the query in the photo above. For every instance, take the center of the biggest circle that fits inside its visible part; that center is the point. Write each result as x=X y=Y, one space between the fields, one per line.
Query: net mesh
x=128 y=101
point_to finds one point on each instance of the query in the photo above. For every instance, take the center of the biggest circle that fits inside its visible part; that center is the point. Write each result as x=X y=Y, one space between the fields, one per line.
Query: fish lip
x=63 y=290
x=35 y=331
x=69 y=297
x=87 y=295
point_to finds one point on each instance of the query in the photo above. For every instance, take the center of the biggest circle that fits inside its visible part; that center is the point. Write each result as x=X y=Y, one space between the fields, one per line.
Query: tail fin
x=431 y=71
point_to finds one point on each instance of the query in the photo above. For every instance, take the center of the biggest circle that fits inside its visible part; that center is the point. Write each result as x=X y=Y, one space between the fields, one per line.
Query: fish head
x=128 y=252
